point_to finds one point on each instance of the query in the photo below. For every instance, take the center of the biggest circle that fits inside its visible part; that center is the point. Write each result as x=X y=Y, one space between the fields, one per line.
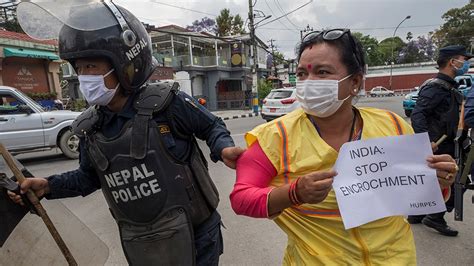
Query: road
x=92 y=234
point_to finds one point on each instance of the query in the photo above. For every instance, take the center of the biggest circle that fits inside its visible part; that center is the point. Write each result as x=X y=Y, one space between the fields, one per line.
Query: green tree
x=373 y=56
x=237 y=25
x=386 y=46
x=224 y=23
x=264 y=87
x=458 y=27
x=409 y=36
x=228 y=24
x=12 y=25
x=279 y=58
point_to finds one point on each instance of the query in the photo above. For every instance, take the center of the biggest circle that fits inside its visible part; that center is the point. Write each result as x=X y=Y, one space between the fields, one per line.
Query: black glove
x=11 y=185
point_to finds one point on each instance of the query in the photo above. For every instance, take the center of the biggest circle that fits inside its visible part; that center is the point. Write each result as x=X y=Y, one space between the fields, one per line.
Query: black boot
x=437 y=222
x=415 y=219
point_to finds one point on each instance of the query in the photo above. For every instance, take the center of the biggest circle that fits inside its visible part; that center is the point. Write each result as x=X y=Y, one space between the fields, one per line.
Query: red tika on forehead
x=310 y=66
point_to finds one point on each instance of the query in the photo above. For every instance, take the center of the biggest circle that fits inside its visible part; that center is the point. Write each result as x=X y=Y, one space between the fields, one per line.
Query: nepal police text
x=136 y=181
x=136 y=49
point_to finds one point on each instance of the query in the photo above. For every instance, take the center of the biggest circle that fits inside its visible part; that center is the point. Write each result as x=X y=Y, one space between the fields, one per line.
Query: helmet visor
x=43 y=19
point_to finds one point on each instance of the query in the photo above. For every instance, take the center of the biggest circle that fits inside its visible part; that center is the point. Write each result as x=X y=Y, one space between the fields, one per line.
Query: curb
x=238 y=116
x=386 y=96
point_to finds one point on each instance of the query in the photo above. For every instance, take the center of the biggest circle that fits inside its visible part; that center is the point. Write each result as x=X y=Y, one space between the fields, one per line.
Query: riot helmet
x=89 y=29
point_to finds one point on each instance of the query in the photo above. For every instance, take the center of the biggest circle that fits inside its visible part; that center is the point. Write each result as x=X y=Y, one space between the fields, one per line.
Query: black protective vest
x=155 y=198
x=448 y=120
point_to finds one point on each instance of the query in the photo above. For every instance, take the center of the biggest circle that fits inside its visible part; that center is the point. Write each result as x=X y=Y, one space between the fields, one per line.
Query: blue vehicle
x=465 y=84
x=410 y=101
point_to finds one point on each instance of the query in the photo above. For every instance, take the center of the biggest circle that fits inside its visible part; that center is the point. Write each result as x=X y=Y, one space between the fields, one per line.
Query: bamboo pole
x=38 y=207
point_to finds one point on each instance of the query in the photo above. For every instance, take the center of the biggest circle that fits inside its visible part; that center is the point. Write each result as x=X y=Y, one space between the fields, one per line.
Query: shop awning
x=20 y=52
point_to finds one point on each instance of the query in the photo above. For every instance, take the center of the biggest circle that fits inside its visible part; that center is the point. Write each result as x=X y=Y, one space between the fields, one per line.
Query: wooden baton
x=440 y=140
x=38 y=207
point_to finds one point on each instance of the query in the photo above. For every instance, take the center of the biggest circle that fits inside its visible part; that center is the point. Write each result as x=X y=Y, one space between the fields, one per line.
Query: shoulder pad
x=85 y=122
x=155 y=97
x=431 y=88
x=441 y=83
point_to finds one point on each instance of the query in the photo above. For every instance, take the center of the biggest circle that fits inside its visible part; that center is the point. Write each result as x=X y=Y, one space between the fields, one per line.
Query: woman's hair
x=351 y=51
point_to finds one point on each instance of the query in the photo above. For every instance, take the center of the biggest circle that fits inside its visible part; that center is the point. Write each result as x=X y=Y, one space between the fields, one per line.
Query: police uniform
x=188 y=119
x=145 y=158
x=437 y=112
x=469 y=109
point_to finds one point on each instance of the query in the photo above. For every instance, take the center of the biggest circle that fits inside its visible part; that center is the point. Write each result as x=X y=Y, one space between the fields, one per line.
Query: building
x=29 y=65
x=287 y=73
x=217 y=69
x=404 y=76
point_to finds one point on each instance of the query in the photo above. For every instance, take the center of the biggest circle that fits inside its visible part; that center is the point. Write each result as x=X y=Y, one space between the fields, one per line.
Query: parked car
x=381 y=91
x=410 y=101
x=26 y=126
x=279 y=102
x=465 y=83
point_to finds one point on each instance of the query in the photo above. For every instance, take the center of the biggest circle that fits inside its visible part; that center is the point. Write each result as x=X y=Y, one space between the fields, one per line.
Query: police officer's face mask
x=462 y=70
x=94 y=90
x=320 y=97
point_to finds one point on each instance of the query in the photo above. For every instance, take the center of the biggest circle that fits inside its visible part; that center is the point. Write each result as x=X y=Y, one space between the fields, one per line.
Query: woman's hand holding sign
x=314 y=187
x=446 y=168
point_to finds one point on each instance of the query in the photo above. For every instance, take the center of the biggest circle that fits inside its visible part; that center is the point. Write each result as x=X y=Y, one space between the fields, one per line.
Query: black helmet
x=126 y=45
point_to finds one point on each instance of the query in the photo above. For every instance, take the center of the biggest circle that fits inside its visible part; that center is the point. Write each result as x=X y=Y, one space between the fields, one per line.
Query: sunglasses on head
x=331 y=35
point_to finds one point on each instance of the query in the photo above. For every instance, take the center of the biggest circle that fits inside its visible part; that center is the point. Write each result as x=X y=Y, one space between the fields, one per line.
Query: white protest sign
x=385 y=177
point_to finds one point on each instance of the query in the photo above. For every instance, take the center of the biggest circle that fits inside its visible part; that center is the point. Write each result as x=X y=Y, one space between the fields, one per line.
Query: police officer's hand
x=446 y=168
x=39 y=185
x=314 y=187
x=230 y=155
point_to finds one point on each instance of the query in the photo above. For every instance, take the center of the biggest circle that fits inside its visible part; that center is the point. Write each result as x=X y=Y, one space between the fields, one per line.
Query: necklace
x=353 y=125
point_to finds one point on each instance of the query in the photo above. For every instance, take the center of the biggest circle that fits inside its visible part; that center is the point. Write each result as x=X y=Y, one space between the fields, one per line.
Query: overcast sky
x=377 y=18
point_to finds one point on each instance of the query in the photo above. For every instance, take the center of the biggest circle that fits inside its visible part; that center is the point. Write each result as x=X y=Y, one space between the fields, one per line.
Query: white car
x=279 y=102
x=26 y=126
x=380 y=91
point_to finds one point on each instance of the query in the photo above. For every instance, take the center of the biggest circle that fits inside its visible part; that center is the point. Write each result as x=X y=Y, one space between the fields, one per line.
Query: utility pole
x=273 y=57
x=391 y=54
x=307 y=29
x=253 y=41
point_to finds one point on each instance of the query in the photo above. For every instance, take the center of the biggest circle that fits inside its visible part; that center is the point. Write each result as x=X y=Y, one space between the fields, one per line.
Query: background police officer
x=437 y=112
x=137 y=143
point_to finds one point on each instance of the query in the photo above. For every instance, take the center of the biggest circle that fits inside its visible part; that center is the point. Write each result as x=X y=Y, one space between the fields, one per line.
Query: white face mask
x=320 y=97
x=94 y=90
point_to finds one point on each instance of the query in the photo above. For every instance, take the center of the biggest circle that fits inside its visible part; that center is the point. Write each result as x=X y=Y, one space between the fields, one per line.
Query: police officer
x=137 y=143
x=437 y=112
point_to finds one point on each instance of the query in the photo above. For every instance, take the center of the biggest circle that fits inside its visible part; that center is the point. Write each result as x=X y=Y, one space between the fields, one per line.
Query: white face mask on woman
x=320 y=97
x=94 y=90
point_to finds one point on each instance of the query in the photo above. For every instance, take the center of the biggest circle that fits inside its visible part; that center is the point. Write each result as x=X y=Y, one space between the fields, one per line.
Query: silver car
x=26 y=126
x=279 y=102
x=381 y=91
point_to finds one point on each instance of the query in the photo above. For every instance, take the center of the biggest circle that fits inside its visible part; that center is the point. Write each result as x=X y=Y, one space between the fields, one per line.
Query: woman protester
x=286 y=173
